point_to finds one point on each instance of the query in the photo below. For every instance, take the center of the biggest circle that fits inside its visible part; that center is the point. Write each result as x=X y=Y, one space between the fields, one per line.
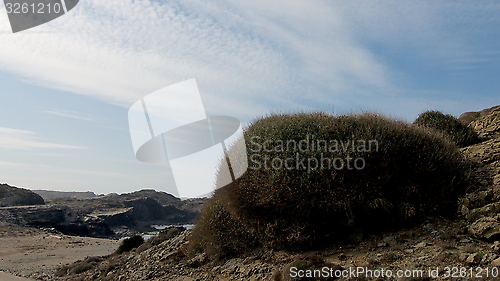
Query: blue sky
x=66 y=86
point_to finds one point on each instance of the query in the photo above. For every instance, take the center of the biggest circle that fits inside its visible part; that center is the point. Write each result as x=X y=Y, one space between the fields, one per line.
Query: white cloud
x=245 y=57
x=67 y=113
x=21 y=139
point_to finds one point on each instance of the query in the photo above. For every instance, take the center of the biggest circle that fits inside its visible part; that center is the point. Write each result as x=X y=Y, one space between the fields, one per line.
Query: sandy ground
x=29 y=251
x=7 y=277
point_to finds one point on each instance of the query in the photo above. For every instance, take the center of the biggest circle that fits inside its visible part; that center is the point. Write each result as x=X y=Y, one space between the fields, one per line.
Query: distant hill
x=109 y=216
x=15 y=196
x=51 y=195
x=113 y=200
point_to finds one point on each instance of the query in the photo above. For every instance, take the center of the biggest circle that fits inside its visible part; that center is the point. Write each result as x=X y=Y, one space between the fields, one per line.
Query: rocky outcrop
x=482 y=206
x=485 y=122
x=61 y=218
x=139 y=214
x=470 y=116
x=50 y=194
x=485 y=228
x=106 y=216
x=14 y=196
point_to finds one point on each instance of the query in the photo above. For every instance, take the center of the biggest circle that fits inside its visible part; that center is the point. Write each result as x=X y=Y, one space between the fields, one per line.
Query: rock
x=485 y=228
x=464 y=210
x=477 y=213
x=216 y=269
x=198 y=260
x=496 y=262
x=496 y=246
x=468 y=117
x=463 y=257
x=429 y=227
x=473 y=259
x=496 y=180
x=381 y=245
x=13 y=196
x=485 y=152
x=488 y=122
x=488 y=258
x=391 y=240
x=421 y=245
x=231 y=266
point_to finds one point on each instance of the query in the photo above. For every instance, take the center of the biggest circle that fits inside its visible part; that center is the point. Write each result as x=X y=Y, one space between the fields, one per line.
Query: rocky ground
x=466 y=248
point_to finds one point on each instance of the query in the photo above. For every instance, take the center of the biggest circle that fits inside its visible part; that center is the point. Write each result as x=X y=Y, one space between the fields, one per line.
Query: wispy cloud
x=67 y=113
x=249 y=56
x=244 y=57
x=21 y=139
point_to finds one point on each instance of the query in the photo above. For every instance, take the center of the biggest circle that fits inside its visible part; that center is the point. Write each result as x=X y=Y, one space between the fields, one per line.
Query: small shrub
x=78 y=267
x=166 y=234
x=458 y=132
x=130 y=243
x=218 y=234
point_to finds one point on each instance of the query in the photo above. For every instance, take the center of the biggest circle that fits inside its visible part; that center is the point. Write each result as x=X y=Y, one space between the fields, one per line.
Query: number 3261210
x=34 y=8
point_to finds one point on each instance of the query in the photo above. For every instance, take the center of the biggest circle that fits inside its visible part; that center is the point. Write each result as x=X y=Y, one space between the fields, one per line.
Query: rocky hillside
x=14 y=196
x=50 y=194
x=469 y=244
x=111 y=216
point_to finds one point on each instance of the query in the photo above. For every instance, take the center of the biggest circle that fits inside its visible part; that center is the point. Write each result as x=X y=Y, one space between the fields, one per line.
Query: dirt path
x=25 y=251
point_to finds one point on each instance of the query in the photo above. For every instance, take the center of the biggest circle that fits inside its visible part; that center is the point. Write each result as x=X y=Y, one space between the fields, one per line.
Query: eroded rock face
x=482 y=207
x=485 y=122
x=487 y=152
x=62 y=218
x=485 y=228
x=470 y=116
x=14 y=196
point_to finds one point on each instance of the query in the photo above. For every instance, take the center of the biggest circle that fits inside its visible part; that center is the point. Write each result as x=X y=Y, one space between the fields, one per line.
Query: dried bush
x=128 y=244
x=457 y=131
x=408 y=172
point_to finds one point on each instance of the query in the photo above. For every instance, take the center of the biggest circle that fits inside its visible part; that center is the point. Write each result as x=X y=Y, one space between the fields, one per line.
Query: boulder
x=471 y=116
x=486 y=152
x=473 y=259
x=485 y=228
x=488 y=125
x=13 y=196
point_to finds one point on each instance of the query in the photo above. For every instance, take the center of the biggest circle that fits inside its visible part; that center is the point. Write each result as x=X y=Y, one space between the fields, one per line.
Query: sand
x=30 y=252
x=7 y=277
